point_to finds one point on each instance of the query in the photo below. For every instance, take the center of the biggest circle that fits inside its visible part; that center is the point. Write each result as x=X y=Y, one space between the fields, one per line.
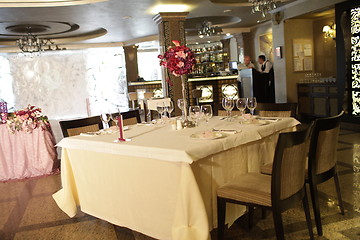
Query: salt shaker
x=178 y=124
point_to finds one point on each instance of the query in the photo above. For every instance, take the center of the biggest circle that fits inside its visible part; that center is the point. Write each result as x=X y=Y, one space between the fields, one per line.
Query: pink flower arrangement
x=179 y=60
x=27 y=119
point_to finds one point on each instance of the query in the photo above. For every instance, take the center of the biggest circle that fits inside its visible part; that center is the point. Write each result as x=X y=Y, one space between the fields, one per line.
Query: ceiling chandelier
x=263 y=6
x=207 y=29
x=30 y=43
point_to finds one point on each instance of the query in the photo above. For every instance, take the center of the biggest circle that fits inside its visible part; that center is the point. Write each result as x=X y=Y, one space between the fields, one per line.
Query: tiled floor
x=27 y=210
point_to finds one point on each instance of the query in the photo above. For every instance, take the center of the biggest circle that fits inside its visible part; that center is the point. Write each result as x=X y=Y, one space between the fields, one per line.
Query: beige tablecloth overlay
x=162 y=183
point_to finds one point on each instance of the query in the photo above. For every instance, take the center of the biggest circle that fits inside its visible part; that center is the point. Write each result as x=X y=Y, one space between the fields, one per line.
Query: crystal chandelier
x=263 y=6
x=207 y=29
x=30 y=43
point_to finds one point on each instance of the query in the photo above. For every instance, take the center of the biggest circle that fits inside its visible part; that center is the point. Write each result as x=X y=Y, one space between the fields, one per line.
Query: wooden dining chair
x=277 y=192
x=129 y=118
x=322 y=161
x=75 y=127
x=276 y=109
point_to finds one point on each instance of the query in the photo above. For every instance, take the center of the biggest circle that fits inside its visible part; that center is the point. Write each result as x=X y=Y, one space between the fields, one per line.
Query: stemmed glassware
x=207 y=112
x=114 y=117
x=228 y=105
x=180 y=104
x=160 y=109
x=169 y=108
x=195 y=113
x=251 y=104
x=105 y=117
x=241 y=105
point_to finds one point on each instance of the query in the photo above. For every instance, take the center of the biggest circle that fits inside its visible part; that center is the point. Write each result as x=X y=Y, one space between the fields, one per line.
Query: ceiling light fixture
x=30 y=43
x=207 y=29
x=263 y=6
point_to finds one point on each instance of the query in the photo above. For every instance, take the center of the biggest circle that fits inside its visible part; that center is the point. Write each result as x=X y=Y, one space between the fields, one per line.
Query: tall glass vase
x=187 y=122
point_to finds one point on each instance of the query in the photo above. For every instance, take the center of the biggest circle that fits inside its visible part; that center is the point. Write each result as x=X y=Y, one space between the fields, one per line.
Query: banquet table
x=162 y=183
x=26 y=155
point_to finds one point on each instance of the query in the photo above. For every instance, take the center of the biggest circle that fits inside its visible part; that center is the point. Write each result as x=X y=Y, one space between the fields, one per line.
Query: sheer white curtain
x=60 y=82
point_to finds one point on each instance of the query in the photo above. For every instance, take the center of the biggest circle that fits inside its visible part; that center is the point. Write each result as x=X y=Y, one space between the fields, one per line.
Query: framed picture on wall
x=278 y=52
x=266 y=46
x=303 y=55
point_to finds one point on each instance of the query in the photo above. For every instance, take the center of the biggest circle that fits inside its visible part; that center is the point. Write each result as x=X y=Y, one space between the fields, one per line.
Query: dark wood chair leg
x=337 y=185
x=279 y=228
x=307 y=215
x=315 y=203
x=263 y=213
x=221 y=209
x=250 y=217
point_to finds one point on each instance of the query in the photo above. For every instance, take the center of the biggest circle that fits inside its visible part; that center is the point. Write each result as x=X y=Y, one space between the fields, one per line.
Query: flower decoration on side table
x=179 y=61
x=27 y=119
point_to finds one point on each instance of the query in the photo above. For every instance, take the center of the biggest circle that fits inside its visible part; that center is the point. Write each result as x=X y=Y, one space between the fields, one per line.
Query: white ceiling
x=113 y=16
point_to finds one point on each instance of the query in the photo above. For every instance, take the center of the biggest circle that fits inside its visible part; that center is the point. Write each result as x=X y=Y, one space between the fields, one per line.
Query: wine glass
x=228 y=105
x=251 y=104
x=115 y=117
x=105 y=117
x=195 y=113
x=169 y=108
x=160 y=109
x=241 y=105
x=181 y=104
x=207 y=112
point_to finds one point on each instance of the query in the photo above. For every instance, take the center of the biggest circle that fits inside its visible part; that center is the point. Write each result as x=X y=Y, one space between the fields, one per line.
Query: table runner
x=25 y=155
x=160 y=142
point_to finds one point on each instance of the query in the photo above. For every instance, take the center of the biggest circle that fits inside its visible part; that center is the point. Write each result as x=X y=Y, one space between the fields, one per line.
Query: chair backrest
x=133 y=96
x=75 y=127
x=322 y=154
x=130 y=118
x=276 y=109
x=197 y=93
x=288 y=176
x=148 y=95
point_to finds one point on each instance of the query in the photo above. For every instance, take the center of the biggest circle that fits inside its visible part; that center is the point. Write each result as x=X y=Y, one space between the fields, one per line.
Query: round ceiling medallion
x=28 y=28
x=45 y=3
x=44 y=28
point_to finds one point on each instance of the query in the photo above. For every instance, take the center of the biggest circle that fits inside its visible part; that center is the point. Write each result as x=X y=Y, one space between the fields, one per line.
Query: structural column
x=131 y=62
x=171 y=27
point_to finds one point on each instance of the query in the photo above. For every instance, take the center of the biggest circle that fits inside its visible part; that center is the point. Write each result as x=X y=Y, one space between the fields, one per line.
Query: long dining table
x=162 y=183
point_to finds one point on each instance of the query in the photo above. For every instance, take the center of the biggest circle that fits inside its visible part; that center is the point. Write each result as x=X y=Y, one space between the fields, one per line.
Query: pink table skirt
x=26 y=155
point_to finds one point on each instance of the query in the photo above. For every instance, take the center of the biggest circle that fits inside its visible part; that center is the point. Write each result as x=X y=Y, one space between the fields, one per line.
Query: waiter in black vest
x=266 y=67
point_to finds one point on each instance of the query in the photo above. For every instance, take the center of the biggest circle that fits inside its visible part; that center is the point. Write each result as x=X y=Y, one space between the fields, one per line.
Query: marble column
x=171 y=27
x=131 y=62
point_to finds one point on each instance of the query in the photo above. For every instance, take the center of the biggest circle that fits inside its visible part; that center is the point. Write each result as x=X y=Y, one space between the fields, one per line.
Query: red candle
x=121 y=128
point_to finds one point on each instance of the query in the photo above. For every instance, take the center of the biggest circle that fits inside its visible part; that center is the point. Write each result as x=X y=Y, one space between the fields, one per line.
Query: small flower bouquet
x=179 y=60
x=27 y=120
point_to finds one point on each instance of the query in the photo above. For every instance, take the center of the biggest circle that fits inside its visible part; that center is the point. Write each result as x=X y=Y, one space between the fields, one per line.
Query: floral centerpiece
x=27 y=119
x=179 y=60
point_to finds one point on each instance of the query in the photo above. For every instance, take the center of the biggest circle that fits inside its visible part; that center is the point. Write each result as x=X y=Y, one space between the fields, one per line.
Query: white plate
x=208 y=135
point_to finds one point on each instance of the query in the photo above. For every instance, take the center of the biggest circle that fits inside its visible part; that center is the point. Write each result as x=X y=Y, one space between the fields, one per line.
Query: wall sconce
x=330 y=31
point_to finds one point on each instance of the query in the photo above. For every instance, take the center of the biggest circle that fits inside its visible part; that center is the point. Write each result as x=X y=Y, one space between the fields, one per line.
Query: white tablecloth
x=162 y=183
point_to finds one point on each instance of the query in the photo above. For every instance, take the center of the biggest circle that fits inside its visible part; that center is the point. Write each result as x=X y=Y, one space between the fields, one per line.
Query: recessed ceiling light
x=196 y=43
x=228 y=34
x=227 y=10
x=208 y=41
x=126 y=17
x=170 y=8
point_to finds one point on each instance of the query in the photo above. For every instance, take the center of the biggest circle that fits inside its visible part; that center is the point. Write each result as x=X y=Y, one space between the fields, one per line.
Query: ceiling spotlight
x=228 y=34
x=126 y=17
x=227 y=10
